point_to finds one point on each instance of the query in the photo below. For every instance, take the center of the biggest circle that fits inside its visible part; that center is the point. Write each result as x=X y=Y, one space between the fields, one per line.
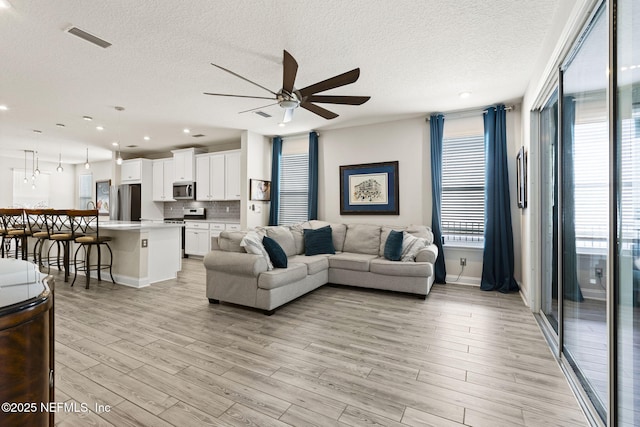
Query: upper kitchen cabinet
x=131 y=171
x=163 y=176
x=232 y=176
x=218 y=176
x=184 y=164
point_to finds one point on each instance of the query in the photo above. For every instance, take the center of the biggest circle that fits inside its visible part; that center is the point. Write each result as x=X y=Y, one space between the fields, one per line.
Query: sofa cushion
x=362 y=239
x=351 y=261
x=252 y=243
x=421 y=231
x=410 y=246
x=275 y=251
x=393 y=246
x=338 y=231
x=384 y=234
x=298 y=237
x=230 y=241
x=282 y=276
x=314 y=263
x=283 y=236
x=318 y=241
x=407 y=269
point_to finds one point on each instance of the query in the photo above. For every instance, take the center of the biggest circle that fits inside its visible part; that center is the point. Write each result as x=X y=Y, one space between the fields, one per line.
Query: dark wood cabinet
x=26 y=353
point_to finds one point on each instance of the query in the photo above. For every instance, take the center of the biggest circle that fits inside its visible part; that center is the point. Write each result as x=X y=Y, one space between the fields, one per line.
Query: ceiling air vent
x=198 y=135
x=132 y=146
x=88 y=37
x=263 y=114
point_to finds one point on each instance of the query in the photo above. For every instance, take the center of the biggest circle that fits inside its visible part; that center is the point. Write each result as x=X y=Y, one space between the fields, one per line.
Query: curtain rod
x=470 y=113
x=295 y=135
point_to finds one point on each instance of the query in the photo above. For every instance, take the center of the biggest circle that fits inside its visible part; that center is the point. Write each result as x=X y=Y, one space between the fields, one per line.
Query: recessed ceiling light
x=3 y=108
x=146 y=138
x=4 y=4
x=185 y=130
x=115 y=143
x=100 y=127
x=37 y=131
x=464 y=94
x=87 y=118
x=281 y=124
x=60 y=125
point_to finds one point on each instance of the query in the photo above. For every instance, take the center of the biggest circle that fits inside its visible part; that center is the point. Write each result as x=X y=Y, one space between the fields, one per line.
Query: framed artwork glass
x=102 y=196
x=369 y=189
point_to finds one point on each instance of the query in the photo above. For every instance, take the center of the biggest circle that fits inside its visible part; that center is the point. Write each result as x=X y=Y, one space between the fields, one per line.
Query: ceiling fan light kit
x=290 y=98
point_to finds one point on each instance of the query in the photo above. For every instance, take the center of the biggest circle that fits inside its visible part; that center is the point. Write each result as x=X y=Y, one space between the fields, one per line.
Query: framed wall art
x=369 y=189
x=521 y=175
x=259 y=190
x=102 y=196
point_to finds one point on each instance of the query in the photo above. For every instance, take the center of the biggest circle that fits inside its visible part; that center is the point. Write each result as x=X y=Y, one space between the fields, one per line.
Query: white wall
x=61 y=184
x=255 y=164
x=405 y=141
x=567 y=22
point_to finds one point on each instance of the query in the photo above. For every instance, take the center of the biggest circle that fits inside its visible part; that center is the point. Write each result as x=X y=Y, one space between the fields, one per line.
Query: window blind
x=294 y=187
x=462 y=210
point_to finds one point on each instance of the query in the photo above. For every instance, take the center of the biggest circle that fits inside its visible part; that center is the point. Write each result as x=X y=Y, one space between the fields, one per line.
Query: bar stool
x=15 y=228
x=37 y=222
x=60 y=231
x=86 y=232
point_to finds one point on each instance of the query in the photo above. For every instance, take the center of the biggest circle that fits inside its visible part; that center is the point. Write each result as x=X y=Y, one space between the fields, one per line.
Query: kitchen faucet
x=91 y=204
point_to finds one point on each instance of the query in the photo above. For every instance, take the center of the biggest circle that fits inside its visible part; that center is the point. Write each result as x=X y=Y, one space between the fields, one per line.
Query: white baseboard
x=463 y=280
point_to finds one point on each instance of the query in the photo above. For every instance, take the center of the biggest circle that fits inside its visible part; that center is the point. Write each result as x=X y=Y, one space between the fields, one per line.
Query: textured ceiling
x=415 y=58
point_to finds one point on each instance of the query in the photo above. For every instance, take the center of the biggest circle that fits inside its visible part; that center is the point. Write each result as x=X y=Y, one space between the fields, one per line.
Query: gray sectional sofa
x=238 y=277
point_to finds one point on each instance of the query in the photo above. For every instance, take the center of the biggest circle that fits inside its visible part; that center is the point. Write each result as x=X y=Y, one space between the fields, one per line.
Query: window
x=462 y=213
x=294 y=188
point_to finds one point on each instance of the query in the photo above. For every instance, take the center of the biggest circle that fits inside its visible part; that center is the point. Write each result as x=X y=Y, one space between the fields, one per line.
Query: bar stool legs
x=86 y=266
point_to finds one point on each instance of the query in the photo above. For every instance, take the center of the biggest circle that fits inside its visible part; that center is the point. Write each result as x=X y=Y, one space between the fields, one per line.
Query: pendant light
x=119 y=157
x=25 y=167
x=86 y=164
x=37 y=171
x=59 y=168
x=33 y=166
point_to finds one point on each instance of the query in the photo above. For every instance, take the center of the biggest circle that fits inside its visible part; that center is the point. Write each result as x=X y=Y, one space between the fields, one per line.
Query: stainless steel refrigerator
x=125 y=203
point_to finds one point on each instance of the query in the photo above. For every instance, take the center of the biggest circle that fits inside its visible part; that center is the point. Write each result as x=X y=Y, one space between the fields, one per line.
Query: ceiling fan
x=291 y=98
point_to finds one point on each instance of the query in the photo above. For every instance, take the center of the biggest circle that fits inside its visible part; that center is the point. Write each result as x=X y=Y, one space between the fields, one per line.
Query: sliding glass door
x=549 y=209
x=628 y=203
x=584 y=204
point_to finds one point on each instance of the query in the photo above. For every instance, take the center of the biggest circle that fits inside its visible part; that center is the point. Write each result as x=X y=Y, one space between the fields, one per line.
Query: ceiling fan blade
x=288 y=115
x=349 y=100
x=238 y=96
x=259 y=108
x=290 y=69
x=244 y=78
x=319 y=110
x=331 y=83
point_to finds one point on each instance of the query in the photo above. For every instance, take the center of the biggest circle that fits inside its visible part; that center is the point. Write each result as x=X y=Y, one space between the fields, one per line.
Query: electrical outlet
x=227 y=208
x=145 y=243
x=463 y=261
x=598 y=272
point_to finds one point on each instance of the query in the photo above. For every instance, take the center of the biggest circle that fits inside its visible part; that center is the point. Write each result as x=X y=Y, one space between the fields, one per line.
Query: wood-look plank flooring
x=163 y=356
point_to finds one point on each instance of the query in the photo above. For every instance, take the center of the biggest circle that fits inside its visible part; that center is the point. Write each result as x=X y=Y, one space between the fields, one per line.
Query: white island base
x=143 y=253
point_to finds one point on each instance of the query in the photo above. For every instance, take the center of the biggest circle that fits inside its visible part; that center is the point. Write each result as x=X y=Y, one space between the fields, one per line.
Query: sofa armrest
x=428 y=254
x=235 y=263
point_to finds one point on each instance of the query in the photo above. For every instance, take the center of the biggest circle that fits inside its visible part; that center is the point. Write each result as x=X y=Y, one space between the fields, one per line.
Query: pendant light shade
x=37 y=171
x=59 y=168
x=25 y=167
x=86 y=164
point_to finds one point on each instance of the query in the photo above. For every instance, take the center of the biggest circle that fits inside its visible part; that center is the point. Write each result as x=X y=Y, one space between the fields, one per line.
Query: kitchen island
x=144 y=252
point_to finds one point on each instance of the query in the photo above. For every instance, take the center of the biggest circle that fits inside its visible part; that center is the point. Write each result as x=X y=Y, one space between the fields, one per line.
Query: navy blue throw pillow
x=318 y=241
x=393 y=247
x=276 y=254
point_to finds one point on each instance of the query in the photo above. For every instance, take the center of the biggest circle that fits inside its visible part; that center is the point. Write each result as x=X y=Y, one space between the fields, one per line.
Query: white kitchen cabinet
x=163 y=175
x=197 y=240
x=232 y=176
x=131 y=171
x=184 y=163
x=218 y=176
x=210 y=179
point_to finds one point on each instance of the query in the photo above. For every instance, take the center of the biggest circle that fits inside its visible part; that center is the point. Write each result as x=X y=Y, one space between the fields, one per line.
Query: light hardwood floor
x=163 y=356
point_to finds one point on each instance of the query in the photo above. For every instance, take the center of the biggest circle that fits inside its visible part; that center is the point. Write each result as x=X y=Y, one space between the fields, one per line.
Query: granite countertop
x=135 y=225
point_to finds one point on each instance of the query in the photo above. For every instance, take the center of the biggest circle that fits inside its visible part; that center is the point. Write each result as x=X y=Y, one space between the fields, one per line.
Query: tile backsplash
x=214 y=210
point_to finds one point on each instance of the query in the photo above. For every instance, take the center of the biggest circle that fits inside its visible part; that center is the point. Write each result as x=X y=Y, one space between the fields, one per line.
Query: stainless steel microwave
x=184 y=190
